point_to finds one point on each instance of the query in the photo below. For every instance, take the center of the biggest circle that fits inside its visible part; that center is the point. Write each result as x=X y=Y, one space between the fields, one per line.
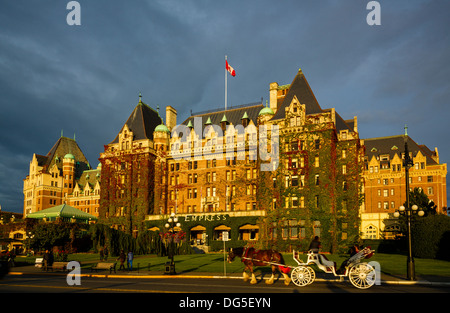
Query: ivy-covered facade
x=317 y=187
x=207 y=175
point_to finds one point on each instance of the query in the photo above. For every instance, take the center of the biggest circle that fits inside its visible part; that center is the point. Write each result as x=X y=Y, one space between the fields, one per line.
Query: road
x=203 y=294
x=30 y=283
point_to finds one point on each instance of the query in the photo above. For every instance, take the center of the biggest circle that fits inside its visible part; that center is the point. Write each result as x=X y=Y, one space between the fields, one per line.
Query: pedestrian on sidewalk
x=130 y=260
x=122 y=257
x=46 y=259
x=105 y=253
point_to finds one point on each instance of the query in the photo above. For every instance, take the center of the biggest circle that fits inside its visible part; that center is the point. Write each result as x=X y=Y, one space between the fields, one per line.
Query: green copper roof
x=245 y=116
x=266 y=111
x=69 y=156
x=162 y=128
x=224 y=118
x=62 y=210
x=190 y=124
x=208 y=122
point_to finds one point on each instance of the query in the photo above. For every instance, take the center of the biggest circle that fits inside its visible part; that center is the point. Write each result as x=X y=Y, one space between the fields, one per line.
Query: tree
x=48 y=235
x=419 y=198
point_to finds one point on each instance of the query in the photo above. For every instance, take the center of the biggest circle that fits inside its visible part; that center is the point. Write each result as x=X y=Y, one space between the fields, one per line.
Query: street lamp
x=408 y=211
x=172 y=222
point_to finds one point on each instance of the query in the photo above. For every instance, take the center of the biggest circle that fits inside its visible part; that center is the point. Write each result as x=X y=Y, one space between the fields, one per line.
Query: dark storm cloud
x=86 y=79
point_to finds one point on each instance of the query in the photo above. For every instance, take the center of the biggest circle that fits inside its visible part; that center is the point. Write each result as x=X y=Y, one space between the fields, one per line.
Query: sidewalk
x=442 y=281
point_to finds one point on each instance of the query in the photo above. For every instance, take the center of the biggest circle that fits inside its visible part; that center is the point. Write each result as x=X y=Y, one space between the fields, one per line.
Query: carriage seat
x=323 y=260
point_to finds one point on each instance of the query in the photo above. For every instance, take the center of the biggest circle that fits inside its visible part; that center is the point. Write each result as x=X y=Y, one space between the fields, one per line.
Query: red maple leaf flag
x=230 y=69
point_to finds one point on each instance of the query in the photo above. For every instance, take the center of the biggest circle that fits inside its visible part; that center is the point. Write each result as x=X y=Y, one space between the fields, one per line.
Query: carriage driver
x=315 y=245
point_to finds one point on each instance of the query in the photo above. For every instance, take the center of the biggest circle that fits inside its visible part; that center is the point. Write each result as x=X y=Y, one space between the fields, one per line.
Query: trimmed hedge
x=431 y=237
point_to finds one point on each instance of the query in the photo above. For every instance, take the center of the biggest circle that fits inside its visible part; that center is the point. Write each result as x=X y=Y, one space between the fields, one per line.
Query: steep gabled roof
x=56 y=155
x=394 y=145
x=233 y=116
x=142 y=122
x=301 y=89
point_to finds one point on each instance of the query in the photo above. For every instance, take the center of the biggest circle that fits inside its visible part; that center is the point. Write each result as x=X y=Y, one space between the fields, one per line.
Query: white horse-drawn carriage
x=362 y=275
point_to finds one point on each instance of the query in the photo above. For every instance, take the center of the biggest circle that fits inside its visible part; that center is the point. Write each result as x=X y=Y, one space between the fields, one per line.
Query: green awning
x=64 y=211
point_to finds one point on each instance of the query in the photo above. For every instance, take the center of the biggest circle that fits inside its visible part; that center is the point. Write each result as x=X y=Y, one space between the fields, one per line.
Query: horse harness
x=245 y=256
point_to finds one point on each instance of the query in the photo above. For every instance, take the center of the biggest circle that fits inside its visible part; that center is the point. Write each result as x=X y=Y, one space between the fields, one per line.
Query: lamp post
x=172 y=222
x=408 y=211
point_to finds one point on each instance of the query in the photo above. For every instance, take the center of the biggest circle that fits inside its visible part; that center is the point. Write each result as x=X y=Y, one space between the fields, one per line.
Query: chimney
x=171 y=117
x=273 y=88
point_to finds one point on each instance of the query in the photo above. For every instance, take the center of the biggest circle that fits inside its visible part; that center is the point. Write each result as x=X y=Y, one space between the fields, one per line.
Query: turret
x=68 y=175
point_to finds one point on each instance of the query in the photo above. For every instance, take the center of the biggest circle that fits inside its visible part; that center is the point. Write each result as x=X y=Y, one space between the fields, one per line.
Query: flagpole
x=226 y=76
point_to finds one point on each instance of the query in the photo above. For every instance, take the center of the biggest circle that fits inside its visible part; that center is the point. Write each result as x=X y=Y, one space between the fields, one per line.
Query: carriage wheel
x=302 y=275
x=362 y=275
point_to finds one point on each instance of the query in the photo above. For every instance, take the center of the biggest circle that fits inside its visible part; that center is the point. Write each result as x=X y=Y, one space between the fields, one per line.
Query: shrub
x=430 y=236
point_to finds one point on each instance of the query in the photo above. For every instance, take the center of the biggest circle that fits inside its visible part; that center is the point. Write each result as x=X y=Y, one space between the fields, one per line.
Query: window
x=294 y=145
x=371 y=232
x=294 y=181
x=430 y=179
x=344 y=206
x=294 y=163
x=316 y=226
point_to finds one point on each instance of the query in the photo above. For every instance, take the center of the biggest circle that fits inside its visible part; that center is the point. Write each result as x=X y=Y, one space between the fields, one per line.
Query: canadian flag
x=229 y=68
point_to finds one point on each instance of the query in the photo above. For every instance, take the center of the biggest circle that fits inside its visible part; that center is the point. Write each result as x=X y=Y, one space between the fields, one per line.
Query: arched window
x=371 y=232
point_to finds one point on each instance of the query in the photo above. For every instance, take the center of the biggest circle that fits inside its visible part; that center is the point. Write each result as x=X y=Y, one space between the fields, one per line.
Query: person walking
x=130 y=260
x=46 y=259
x=105 y=253
x=122 y=257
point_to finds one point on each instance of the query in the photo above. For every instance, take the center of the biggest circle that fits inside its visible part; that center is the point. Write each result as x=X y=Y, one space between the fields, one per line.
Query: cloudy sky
x=86 y=79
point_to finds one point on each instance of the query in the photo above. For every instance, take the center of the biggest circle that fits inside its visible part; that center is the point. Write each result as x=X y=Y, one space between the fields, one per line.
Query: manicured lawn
x=392 y=264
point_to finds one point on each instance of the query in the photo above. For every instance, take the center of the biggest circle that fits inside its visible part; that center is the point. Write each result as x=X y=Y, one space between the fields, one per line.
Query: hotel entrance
x=198 y=235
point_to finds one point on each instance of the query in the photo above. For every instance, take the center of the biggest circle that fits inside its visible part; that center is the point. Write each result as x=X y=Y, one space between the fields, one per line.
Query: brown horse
x=251 y=257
